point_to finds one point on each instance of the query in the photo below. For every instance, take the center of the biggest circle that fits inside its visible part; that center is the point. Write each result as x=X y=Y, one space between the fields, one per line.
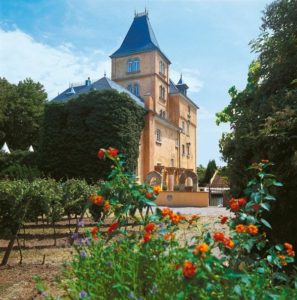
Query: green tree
x=21 y=113
x=200 y=170
x=73 y=132
x=209 y=172
x=263 y=116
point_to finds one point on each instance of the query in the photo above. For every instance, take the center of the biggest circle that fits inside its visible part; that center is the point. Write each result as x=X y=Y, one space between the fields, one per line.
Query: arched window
x=133 y=65
x=130 y=88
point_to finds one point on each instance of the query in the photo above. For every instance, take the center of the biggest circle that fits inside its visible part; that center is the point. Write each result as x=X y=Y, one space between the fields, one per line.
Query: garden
x=151 y=253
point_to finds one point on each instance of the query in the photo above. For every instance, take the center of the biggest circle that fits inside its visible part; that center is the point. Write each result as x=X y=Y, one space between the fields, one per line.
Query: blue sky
x=58 y=42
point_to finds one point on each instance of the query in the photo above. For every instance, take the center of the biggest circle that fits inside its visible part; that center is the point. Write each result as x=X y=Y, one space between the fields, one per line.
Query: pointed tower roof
x=5 y=148
x=140 y=38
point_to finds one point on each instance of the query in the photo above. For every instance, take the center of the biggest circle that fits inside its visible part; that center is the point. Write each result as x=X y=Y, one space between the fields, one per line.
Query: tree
x=209 y=172
x=21 y=113
x=263 y=116
x=200 y=170
x=73 y=132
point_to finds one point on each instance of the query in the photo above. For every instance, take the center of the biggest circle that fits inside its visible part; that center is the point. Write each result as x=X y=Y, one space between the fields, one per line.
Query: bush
x=74 y=131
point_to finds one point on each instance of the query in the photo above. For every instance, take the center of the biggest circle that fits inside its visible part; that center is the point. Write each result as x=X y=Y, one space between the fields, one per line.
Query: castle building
x=142 y=70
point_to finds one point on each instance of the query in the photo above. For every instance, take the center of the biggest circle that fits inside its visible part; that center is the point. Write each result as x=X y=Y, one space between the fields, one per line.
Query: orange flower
x=218 y=236
x=147 y=237
x=231 y=201
x=291 y=252
x=224 y=219
x=252 y=229
x=97 y=200
x=157 y=189
x=149 y=227
x=101 y=153
x=94 y=232
x=228 y=243
x=176 y=218
x=113 y=227
x=288 y=246
x=240 y=228
x=106 y=206
x=242 y=201
x=282 y=259
x=189 y=269
x=234 y=206
x=168 y=236
x=265 y=161
x=113 y=151
x=166 y=212
x=201 y=248
x=148 y=195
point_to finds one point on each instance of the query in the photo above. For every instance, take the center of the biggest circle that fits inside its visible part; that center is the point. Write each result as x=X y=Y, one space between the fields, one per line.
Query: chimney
x=88 y=82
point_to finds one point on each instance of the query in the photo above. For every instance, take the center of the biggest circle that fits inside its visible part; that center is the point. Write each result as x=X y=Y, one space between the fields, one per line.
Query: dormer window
x=134 y=89
x=133 y=65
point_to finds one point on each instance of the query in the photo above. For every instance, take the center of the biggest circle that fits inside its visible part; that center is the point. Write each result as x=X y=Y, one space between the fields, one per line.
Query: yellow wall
x=180 y=199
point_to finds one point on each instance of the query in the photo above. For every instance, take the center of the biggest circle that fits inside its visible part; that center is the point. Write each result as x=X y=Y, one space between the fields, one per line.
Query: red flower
x=94 y=232
x=224 y=219
x=242 y=201
x=265 y=161
x=189 y=269
x=149 y=227
x=166 y=212
x=148 y=195
x=256 y=207
x=231 y=201
x=234 y=206
x=101 y=153
x=113 y=227
x=147 y=237
x=113 y=151
x=228 y=243
x=218 y=236
x=98 y=200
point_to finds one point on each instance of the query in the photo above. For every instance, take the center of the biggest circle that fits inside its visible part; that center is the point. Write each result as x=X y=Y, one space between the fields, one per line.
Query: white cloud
x=190 y=77
x=21 y=56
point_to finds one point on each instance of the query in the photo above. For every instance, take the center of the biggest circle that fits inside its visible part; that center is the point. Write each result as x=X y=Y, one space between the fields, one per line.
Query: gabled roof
x=140 y=38
x=102 y=84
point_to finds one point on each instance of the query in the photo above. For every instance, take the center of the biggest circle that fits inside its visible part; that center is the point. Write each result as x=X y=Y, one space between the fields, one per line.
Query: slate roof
x=140 y=38
x=102 y=84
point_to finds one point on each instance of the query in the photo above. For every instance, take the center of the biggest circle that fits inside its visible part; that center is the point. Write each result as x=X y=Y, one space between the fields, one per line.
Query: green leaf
x=270 y=198
x=266 y=223
x=279 y=247
x=280 y=276
x=237 y=290
x=180 y=295
x=265 y=206
x=277 y=183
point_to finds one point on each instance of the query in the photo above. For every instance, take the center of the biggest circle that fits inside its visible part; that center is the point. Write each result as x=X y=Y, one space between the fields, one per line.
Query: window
x=183 y=126
x=134 y=89
x=162 y=113
x=188 y=149
x=171 y=162
x=176 y=143
x=162 y=68
x=158 y=136
x=188 y=128
x=133 y=65
x=162 y=92
x=183 y=150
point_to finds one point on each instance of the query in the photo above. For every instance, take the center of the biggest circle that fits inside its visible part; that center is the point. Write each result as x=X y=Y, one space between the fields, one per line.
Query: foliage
x=209 y=172
x=21 y=113
x=263 y=116
x=127 y=198
x=151 y=263
x=200 y=170
x=73 y=132
x=19 y=165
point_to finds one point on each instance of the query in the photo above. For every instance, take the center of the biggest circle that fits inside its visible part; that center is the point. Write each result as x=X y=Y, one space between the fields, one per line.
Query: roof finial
x=181 y=79
x=104 y=73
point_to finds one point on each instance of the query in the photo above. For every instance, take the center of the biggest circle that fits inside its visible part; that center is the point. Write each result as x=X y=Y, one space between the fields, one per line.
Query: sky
x=58 y=42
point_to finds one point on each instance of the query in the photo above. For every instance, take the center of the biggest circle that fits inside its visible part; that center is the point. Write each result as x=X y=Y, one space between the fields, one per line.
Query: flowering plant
x=156 y=262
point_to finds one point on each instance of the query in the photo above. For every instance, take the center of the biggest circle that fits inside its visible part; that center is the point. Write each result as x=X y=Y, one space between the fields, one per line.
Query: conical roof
x=140 y=38
x=5 y=148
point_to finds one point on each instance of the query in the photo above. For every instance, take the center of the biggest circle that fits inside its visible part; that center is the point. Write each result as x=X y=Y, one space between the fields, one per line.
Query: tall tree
x=263 y=116
x=209 y=172
x=21 y=113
